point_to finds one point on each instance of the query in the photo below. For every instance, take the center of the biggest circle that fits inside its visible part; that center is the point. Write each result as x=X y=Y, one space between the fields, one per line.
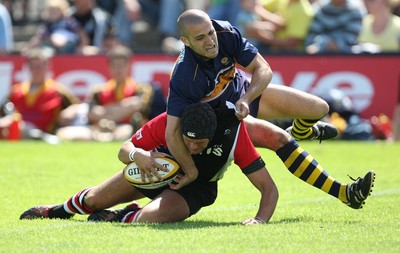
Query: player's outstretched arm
x=269 y=196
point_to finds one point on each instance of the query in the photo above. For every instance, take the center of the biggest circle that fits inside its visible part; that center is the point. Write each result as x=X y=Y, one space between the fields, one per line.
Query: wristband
x=260 y=221
x=131 y=154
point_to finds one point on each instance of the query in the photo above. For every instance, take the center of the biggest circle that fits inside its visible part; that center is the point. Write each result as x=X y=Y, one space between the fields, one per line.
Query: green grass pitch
x=306 y=219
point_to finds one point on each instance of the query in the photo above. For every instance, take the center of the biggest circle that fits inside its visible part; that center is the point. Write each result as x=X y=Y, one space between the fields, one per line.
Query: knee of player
x=281 y=138
x=92 y=201
x=323 y=108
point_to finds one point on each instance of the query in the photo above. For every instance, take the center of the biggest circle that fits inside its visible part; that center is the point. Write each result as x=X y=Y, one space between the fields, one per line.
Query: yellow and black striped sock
x=302 y=128
x=304 y=166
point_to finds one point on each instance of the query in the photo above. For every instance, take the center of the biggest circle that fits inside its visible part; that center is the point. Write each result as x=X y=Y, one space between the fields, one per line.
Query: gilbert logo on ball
x=133 y=175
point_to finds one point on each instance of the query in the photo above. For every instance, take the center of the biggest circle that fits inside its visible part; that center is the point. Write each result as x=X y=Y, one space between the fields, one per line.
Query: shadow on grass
x=291 y=220
x=189 y=224
x=182 y=225
x=206 y=224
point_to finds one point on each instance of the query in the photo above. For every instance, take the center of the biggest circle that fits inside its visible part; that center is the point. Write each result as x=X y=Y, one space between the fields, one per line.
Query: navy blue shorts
x=196 y=194
x=253 y=106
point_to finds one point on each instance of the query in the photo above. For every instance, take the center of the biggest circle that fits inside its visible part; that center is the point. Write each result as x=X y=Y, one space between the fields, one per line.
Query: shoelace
x=357 y=191
x=353 y=178
x=321 y=134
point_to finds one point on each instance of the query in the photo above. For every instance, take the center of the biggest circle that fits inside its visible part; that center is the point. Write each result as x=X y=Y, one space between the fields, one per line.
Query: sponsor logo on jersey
x=139 y=134
x=216 y=150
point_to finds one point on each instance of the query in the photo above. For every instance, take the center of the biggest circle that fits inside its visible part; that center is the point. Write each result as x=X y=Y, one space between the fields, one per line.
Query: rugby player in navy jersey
x=206 y=71
x=213 y=144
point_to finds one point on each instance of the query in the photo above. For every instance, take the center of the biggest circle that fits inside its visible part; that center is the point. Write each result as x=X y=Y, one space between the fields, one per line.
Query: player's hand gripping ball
x=132 y=174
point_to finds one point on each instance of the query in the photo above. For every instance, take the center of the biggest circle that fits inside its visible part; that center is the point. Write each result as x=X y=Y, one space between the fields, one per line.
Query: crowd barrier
x=371 y=81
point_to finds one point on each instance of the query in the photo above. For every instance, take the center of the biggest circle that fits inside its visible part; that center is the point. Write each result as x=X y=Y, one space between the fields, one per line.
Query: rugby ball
x=132 y=174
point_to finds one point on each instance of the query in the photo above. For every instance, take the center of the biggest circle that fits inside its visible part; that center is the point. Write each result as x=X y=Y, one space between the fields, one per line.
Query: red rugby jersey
x=231 y=142
x=41 y=107
x=109 y=93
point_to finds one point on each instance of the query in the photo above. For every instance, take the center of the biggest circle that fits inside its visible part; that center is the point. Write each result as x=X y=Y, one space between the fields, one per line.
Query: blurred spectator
x=94 y=21
x=60 y=33
x=10 y=4
x=396 y=123
x=334 y=28
x=38 y=102
x=284 y=30
x=396 y=119
x=6 y=32
x=110 y=41
x=168 y=15
x=196 y=4
x=9 y=122
x=395 y=7
x=270 y=5
x=159 y=14
x=123 y=13
x=382 y=127
x=123 y=105
x=108 y=5
x=343 y=116
x=224 y=10
x=380 y=28
x=256 y=28
x=120 y=106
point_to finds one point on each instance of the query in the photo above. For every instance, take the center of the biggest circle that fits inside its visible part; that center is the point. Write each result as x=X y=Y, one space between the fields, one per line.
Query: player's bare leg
x=279 y=101
x=114 y=191
x=167 y=207
x=264 y=134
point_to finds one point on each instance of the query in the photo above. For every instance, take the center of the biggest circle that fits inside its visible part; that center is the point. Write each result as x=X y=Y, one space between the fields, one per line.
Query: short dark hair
x=192 y=16
x=199 y=121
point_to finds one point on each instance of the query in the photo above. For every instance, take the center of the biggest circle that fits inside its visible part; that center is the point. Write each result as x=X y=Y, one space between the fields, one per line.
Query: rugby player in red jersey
x=213 y=143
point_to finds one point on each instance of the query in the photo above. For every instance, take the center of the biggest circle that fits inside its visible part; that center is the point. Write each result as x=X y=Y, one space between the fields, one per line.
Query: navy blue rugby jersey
x=195 y=80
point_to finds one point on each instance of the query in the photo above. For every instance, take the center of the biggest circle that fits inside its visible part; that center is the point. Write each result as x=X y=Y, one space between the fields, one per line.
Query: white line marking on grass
x=47 y=227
